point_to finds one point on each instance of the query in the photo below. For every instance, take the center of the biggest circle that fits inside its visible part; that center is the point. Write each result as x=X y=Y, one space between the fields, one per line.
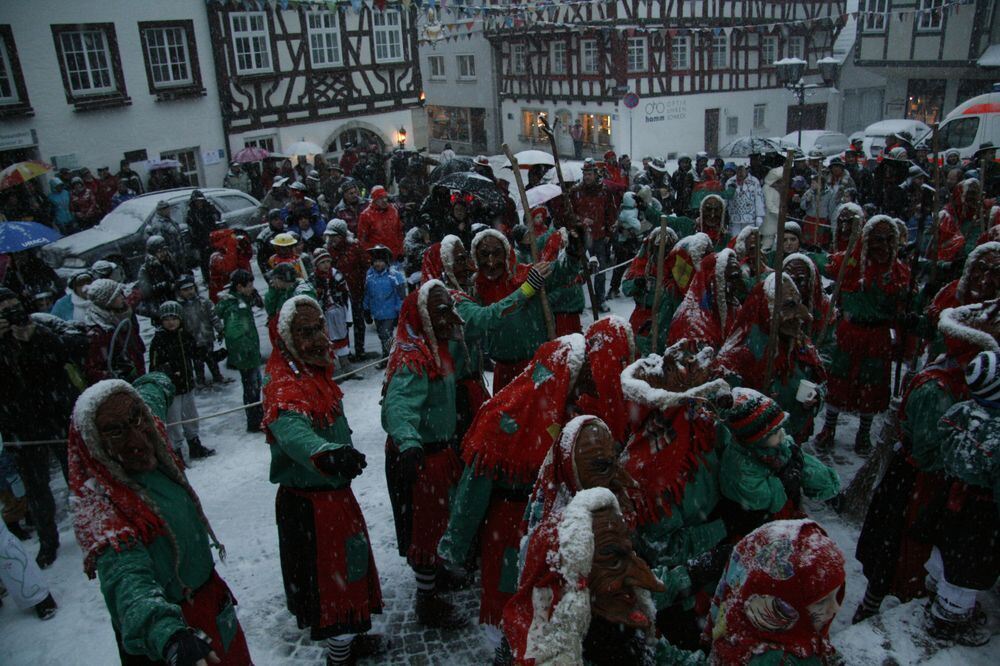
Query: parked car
x=829 y=143
x=120 y=237
x=874 y=141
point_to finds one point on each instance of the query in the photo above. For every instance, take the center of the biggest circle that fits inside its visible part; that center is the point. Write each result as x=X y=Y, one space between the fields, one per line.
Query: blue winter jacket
x=384 y=293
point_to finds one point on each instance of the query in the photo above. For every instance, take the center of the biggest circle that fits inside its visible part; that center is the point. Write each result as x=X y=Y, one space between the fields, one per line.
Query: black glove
x=791 y=475
x=707 y=568
x=187 y=647
x=535 y=279
x=345 y=461
x=411 y=461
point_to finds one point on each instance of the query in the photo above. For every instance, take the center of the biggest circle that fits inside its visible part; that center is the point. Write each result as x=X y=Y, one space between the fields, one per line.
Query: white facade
x=71 y=135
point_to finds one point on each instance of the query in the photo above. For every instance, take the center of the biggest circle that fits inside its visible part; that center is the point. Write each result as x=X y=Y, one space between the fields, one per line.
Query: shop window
x=924 y=99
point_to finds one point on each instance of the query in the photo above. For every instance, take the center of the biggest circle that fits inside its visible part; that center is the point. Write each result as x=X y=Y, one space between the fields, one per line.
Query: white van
x=874 y=142
x=972 y=123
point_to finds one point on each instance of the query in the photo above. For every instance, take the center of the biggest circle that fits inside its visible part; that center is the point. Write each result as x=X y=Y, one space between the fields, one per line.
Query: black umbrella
x=480 y=187
x=454 y=165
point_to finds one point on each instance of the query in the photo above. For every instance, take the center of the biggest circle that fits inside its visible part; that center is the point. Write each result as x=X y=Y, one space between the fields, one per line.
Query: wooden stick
x=654 y=336
x=550 y=323
x=570 y=214
x=851 y=244
x=779 y=258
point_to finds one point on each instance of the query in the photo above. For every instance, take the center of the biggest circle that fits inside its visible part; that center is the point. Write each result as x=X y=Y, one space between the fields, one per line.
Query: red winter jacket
x=229 y=255
x=381 y=227
x=594 y=202
x=352 y=261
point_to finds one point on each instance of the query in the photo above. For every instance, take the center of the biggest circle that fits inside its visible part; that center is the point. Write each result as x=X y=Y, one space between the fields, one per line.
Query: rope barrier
x=233 y=410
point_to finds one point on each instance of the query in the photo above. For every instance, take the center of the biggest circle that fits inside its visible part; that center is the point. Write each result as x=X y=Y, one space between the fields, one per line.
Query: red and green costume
x=640 y=284
x=704 y=316
x=331 y=583
x=418 y=410
x=503 y=451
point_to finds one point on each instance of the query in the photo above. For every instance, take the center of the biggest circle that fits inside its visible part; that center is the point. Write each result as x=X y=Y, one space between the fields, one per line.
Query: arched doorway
x=358 y=137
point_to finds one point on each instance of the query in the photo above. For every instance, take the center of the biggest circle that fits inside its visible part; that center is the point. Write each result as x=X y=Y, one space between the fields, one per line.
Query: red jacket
x=381 y=227
x=229 y=255
x=352 y=262
x=594 y=202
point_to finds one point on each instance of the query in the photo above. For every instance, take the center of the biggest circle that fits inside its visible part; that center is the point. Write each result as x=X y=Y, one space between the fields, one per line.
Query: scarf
x=610 y=348
x=305 y=389
x=415 y=347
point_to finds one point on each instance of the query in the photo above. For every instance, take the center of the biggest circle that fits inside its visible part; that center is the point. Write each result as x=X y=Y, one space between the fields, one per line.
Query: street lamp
x=790 y=75
x=401 y=137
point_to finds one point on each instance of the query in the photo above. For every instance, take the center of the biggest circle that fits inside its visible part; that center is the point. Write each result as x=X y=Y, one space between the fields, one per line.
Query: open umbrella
x=746 y=146
x=20 y=236
x=541 y=194
x=480 y=187
x=304 y=148
x=250 y=154
x=163 y=164
x=529 y=158
x=22 y=172
x=454 y=165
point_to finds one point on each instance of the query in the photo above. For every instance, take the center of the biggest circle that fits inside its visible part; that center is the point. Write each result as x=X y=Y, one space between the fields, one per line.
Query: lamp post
x=790 y=75
x=401 y=137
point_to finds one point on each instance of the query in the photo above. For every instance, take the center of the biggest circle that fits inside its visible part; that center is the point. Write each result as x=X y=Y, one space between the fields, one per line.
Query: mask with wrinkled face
x=126 y=432
x=309 y=337
x=445 y=322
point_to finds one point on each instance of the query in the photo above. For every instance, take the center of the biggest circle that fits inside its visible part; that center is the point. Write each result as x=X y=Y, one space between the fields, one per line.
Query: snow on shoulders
x=638 y=390
x=957 y=323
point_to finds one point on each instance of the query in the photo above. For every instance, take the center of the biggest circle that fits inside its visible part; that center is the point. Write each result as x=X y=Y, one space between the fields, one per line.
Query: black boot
x=46 y=608
x=863 y=441
x=433 y=611
x=254 y=417
x=503 y=656
x=46 y=555
x=198 y=451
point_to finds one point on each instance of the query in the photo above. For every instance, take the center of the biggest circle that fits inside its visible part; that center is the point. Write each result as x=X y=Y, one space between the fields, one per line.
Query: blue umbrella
x=20 y=236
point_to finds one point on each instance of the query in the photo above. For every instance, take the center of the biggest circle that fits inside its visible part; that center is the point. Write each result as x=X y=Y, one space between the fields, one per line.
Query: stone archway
x=358 y=133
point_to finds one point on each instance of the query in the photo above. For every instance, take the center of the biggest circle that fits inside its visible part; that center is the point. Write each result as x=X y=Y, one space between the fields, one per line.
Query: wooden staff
x=550 y=323
x=543 y=124
x=851 y=244
x=779 y=257
x=658 y=293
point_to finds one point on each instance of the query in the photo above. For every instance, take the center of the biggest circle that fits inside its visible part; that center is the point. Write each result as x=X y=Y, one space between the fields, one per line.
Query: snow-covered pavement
x=239 y=501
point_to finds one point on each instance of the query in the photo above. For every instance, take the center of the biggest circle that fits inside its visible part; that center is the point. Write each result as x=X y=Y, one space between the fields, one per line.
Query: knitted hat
x=336 y=227
x=170 y=309
x=794 y=228
x=320 y=254
x=102 y=291
x=982 y=376
x=82 y=275
x=103 y=268
x=378 y=192
x=753 y=416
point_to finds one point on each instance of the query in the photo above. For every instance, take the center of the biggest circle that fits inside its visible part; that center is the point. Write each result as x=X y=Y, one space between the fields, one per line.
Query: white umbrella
x=571 y=171
x=540 y=194
x=529 y=158
x=304 y=148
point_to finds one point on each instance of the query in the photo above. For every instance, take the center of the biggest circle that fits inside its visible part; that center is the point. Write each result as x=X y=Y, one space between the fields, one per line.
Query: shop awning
x=990 y=57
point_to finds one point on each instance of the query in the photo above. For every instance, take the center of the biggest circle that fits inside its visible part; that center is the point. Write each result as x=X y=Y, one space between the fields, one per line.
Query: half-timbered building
x=704 y=70
x=330 y=73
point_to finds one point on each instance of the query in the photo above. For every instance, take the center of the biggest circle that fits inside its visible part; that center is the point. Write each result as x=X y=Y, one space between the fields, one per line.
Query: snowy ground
x=239 y=501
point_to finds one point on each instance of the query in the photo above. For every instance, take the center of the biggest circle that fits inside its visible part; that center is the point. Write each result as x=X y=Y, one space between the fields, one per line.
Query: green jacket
x=275 y=298
x=297 y=443
x=140 y=588
x=924 y=408
x=157 y=391
x=747 y=480
x=970 y=449
x=643 y=293
x=240 y=331
x=416 y=409
x=480 y=321
x=683 y=226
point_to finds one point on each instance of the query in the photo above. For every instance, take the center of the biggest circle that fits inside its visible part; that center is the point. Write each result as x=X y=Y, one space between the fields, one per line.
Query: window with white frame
x=680 y=52
x=720 y=51
x=797 y=47
x=87 y=61
x=519 y=59
x=636 y=54
x=759 y=116
x=324 y=38
x=466 y=67
x=265 y=142
x=929 y=15
x=388 y=36
x=732 y=125
x=588 y=56
x=768 y=50
x=559 y=57
x=436 y=66
x=874 y=17
x=251 y=42
x=8 y=87
x=190 y=168
x=168 y=57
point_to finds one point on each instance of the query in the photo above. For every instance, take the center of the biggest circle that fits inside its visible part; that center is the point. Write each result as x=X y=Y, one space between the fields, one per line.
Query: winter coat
x=351 y=213
x=156 y=282
x=71 y=308
x=381 y=227
x=231 y=252
x=201 y=222
x=239 y=181
x=682 y=183
x=414 y=247
x=747 y=205
x=353 y=262
x=172 y=353
x=171 y=232
x=384 y=293
x=293 y=209
x=240 y=330
x=594 y=202
x=60 y=202
x=629 y=226
x=128 y=357
x=970 y=445
x=264 y=248
x=83 y=205
x=36 y=395
x=417 y=409
x=200 y=321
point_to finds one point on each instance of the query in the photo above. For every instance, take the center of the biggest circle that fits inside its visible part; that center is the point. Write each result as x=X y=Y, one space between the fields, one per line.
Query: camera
x=15 y=315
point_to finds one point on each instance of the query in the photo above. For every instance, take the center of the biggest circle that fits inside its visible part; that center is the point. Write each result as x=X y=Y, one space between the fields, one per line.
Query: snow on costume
x=145 y=535
x=762 y=613
x=503 y=452
x=892 y=558
x=704 y=316
x=958 y=292
x=610 y=349
x=872 y=296
x=813 y=297
x=966 y=527
x=331 y=584
x=744 y=357
x=764 y=473
x=640 y=284
x=959 y=223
